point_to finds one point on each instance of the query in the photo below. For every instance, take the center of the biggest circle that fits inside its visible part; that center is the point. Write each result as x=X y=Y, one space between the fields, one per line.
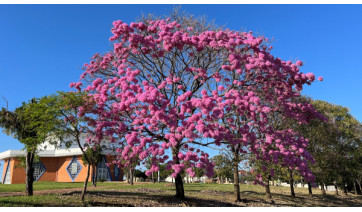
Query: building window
x=74 y=168
x=117 y=172
x=39 y=170
x=103 y=171
x=7 y=176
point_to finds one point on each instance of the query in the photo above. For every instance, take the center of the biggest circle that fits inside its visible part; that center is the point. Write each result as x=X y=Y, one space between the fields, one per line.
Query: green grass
x=39 y=186
x=37 y=201
x=162 y=194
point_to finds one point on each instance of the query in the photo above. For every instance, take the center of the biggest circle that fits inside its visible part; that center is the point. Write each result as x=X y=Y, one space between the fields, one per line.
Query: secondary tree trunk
x=86 y=182
x=96 y=178
x=29 y=179
x=310 y=189
x=336 y=189
x=359 y=185
x=323 y=189
x=267 y=187
x=131 y=173
x=355 y=188
x=291 y=184
x=236 y=174
x=93 y=175
x=345 y=188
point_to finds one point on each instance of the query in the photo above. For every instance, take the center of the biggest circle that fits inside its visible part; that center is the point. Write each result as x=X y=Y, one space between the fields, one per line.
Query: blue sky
x=43 y=47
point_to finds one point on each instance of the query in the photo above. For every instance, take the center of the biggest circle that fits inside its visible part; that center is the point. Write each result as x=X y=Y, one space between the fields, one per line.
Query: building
x=58 y=164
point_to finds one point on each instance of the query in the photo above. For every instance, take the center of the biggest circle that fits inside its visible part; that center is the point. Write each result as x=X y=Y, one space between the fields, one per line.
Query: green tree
x=32 y=124
x=140 y=174
x=70 y=106
x=223 y=167
x=335 y=145
x=163 y=172
x=199 y=173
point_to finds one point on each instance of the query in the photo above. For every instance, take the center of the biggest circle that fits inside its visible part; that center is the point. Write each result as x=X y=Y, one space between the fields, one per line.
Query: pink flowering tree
x=168 y=85
x=279 y=145
x=251 y=85
x=144 y=87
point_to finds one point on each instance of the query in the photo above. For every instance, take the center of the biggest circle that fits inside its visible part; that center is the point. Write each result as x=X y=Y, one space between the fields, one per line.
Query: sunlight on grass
x=162 y=194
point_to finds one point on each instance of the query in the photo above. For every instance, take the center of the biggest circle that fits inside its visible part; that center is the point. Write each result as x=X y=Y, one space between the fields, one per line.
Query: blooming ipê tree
x=169 y=84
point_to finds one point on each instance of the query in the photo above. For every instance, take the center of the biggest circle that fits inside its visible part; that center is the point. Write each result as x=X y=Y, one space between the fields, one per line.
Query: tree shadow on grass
x=8 y=203
x=119 y=198
x=251 y=192
x=315 y=201
x=285 y=200
x=106 y=204
x=340 y=200
x=142 y=199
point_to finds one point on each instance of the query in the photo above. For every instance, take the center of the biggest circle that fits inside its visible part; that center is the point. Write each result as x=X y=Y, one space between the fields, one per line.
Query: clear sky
x=43 y=47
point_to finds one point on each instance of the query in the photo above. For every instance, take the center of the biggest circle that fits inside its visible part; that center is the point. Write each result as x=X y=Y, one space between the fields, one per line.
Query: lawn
x=39 y=186
x=162 y=194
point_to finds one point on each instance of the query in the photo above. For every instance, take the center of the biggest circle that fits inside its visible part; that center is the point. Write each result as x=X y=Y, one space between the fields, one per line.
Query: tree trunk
x=336 y=189
x=292 y=184
x=94 y=177
x=85 y=183
x=359 y=185
x=310 y=189
x=153 y=178
x=273 y=183
x=29 y=179
x=267 y=187
x=236 y=174
x=355 y=188
x=323 y=190
x=180 y=193
x=131 y=173
x=128 y=176
x=345 y=188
